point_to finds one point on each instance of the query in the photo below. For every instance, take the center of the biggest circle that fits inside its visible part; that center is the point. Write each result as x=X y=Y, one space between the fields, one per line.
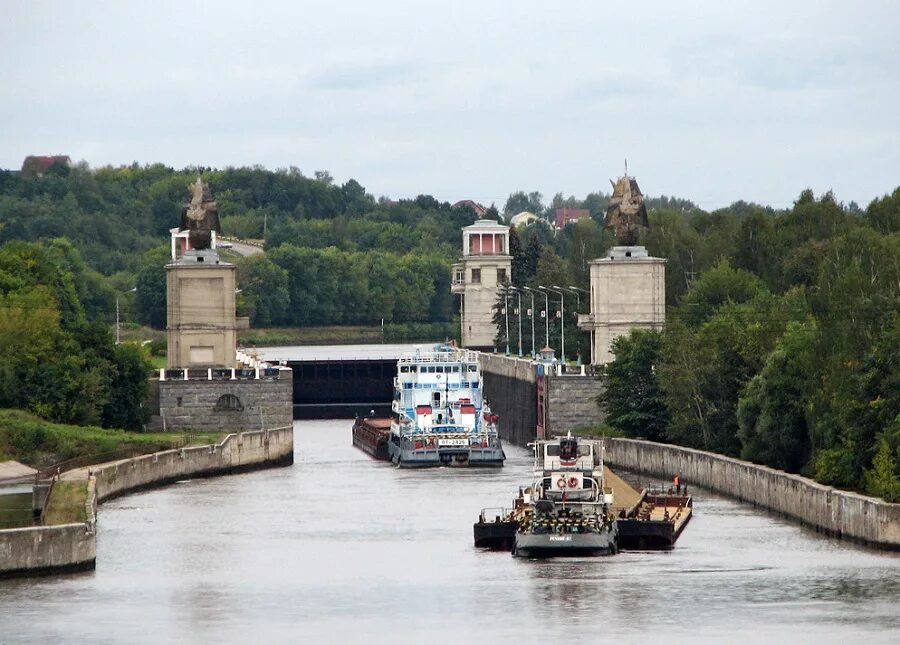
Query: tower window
x=476 y=276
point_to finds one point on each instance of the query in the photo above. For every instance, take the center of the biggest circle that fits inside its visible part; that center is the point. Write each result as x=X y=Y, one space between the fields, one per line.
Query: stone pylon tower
x=485 y=265
x=628 y=287
x=200 y=289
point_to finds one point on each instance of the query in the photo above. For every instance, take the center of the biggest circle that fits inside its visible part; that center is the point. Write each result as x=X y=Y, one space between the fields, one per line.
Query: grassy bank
x=66 y=504
x=40 y=443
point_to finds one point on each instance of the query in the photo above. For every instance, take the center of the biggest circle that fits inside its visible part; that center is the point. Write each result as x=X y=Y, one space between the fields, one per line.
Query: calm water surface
x=342 y=549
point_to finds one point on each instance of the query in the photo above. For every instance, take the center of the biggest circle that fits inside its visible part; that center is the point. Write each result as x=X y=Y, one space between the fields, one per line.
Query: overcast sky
x=714 y=101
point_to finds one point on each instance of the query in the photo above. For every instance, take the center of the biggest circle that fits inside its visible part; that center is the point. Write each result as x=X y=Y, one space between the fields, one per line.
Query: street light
x=531 y=291
x=575 y=290
x=118 y=330
x=519 y=295
x=562 y=320
x=547 y=315
x=506 y=314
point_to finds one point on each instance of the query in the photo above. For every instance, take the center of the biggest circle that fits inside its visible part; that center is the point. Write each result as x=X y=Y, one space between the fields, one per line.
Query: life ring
x=573 y=482
x=561 y=482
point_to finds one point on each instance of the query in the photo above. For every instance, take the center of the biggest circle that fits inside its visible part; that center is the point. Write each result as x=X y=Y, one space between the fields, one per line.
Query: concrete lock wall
x=71 y=547
x=510 y=386
x=839 y=513
x=197 y=405
x=572 y=403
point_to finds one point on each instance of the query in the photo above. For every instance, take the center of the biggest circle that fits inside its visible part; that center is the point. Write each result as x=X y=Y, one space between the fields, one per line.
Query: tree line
x=782 y=342
x=782 y=331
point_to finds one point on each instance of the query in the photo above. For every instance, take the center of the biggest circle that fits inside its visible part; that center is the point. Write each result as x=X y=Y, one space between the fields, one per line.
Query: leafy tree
x=883 y=214
x=716 y=287
x=633 y=400
x=150 y=297
x=883 y=479
x=773 y=411
x=520 y=201
x=264 y=291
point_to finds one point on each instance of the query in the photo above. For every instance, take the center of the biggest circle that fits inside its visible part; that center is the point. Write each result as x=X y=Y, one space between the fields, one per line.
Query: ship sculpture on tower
x=200 y=216
x=626 y=212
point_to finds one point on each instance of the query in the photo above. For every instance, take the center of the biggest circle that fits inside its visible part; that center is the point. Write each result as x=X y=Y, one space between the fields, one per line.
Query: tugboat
x=438 y=415
x=569 y=507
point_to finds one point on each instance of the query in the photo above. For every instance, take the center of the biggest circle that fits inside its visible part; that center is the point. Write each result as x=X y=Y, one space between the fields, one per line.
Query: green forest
x=782 y=342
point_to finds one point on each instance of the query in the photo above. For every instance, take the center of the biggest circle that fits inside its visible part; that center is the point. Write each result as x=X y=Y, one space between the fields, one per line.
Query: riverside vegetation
x=782 y=344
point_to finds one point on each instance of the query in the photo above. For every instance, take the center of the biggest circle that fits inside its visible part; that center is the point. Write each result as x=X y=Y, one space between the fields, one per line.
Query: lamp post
x=574 y=291
x=506 y=314
x=531 y=291
x=519 y=313
x=118 y=329
x=547 y=315
x=562 y=320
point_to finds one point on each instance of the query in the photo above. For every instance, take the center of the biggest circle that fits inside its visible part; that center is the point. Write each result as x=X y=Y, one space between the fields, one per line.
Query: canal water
x=342 y=549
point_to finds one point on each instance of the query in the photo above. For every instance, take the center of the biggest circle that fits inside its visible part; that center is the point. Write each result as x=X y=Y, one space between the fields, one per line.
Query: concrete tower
x=628 y=291
x=200 y=290
x=628 y=287
x=485 y=265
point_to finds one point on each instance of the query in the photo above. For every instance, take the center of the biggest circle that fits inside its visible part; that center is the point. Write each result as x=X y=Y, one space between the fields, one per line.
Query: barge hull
x=371 y=436
x=496 y=536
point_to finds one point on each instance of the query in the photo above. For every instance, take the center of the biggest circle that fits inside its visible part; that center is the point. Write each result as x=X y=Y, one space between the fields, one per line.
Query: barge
x=371 y=436
x=656 y=522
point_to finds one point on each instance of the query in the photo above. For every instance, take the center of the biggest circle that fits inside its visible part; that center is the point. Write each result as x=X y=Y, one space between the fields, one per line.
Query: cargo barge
x=656 y=522
x=371 y=436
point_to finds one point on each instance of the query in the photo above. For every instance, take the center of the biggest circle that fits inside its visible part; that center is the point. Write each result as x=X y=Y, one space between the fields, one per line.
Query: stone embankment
x=835 y=512
x=71 y=547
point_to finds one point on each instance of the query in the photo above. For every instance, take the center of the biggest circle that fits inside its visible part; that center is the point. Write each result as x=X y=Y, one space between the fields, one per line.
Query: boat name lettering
x=453 y=442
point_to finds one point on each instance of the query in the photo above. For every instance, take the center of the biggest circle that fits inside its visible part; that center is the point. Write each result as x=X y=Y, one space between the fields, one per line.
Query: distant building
x=484 y=266
x=37 y=165
x=479 y=210
x=563 y=216
x=522 y=219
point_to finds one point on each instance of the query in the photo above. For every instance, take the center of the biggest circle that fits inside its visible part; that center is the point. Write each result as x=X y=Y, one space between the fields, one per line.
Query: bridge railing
x=220 y=374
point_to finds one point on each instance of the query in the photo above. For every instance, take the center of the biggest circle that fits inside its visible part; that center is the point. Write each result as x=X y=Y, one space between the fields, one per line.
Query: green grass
x=40 y=443
x=66 y=504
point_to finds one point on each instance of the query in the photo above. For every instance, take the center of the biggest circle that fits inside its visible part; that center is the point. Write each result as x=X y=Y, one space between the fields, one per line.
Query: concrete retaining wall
x=839 y=513
x=236 y=453
x=71 y=547
x=572 y=403
x=510 y=385
x=197 y=404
